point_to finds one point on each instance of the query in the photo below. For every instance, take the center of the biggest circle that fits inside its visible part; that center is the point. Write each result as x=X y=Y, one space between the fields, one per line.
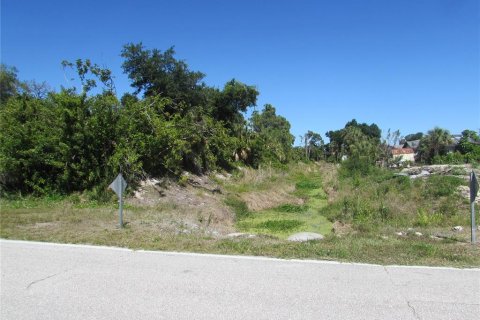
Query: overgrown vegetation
x=381 y=200
x=77 y=140
x=438 y=147
x=60 y=150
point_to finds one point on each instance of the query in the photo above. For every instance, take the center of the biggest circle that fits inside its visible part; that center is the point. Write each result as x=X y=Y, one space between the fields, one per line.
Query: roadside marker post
x=473 y=195
x=118 y=186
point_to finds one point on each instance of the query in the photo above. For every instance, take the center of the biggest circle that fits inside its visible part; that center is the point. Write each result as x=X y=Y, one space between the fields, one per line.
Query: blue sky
x=407 y=64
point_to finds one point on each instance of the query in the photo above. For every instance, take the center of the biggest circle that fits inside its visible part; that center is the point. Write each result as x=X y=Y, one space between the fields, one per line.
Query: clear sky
x=402 y=64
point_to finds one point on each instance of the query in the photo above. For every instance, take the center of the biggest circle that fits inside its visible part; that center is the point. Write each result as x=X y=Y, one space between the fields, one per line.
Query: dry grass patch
x=269 y=187
x=261 y=200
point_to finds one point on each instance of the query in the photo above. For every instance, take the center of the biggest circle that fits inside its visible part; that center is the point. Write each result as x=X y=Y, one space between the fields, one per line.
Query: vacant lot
x=378 y=218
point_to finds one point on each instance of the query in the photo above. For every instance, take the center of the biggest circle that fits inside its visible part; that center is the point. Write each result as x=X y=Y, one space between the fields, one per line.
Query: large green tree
x=341 y=140
x=468 y=141
x=235 y=98
x=273 y=140
x=154 y=72
x=313 y=145
x=9 y=84
x=469 y=146
x=413 y=136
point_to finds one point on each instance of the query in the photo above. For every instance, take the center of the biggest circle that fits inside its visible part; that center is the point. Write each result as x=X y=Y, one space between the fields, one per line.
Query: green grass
x=283 y=224
x=99 y=227
x=54 y=200
x=291 y=208
x=239 y=207
x=307 y=184
x=287 y=219
x=359 y=248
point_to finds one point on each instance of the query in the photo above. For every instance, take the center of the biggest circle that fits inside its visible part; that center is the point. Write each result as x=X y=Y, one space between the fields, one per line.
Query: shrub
x=425 y=220
x=448 y=206
x=449 y=158
x=183 y=180
x=356 y=166
x=403 y=183
x=441 y=186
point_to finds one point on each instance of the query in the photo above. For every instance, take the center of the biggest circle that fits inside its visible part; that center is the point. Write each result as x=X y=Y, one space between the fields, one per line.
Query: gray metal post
x=474 y=240
x=120 y=207
x=118 y=185
x=473 y=195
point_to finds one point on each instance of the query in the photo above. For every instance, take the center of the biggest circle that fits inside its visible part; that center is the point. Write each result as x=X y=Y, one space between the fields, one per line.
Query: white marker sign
x=118 y=185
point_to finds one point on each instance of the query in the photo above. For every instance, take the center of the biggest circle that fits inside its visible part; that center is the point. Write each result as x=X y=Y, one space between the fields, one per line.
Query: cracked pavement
x=53 y=281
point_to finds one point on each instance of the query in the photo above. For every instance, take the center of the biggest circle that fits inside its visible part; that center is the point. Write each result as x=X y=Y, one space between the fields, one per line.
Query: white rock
x=401 y=233
x=457 y=228
x=404 y=174
x=138 y=195
x=240 y=235
x=418 y=234
x=305 y=236
x=220 y=176
x=236 y=235
x=149 y=182
x=424 y=173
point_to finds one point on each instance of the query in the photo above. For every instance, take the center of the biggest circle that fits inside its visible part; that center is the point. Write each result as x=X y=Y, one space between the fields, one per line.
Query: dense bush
x=75 y=141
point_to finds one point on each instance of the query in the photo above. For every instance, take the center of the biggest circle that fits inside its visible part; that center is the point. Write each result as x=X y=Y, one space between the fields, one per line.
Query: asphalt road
x=52 y=281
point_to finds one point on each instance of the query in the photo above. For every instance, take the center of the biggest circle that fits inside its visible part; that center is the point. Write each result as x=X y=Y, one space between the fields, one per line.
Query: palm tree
x=434 y=143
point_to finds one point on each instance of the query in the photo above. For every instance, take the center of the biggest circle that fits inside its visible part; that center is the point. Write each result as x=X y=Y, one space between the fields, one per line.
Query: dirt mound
x=196 y=207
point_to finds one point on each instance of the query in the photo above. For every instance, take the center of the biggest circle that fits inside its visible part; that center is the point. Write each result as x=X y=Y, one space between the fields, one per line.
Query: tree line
x=79 y=138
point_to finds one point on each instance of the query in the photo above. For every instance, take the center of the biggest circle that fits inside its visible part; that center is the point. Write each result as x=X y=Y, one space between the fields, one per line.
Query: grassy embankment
x=365 y=212
x=279 y=203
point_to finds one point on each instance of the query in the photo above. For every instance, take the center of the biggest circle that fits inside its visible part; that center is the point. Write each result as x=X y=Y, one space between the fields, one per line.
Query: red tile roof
x=397 y=151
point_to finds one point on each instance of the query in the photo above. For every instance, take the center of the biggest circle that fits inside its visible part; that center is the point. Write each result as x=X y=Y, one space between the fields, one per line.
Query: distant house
x=412 y=144
x=454 y=143
x=404 y=154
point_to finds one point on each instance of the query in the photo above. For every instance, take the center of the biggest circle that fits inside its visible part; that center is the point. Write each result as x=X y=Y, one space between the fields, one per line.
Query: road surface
x=54 y=281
